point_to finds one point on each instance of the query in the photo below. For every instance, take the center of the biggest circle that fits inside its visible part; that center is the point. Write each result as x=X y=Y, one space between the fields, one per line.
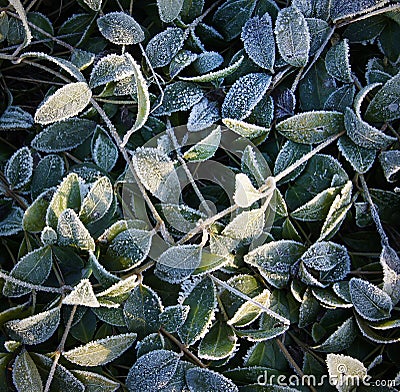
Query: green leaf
x=319 y=31
x=309 y=309
x=34 y=219
x=390 y=162
x=341 y=9
x=341 y=339
x=152 y=370
x=102 y=351
x=202 y=301
x=311 y=127
x=64 y=135
x=118 y=292
x=258 y=40
x=369 y=301
x=244 y=95
x=388 y=40
x=35 y=329
x=48 y=173
x=95 y=382
x=141 y=311
x=245 y=193
x=337 y=62
x=14 y=118
x=104 y=151
x=164 y=46
x=341 y=98
x=95 y=5
x=105 y=278
x=385 y=104
x=245 y=129
x=206 y=148
x=363 y=134
x=169 y=9
x=12 y=223
x=25 y=374
x=83 y=295
x=22 y=16
x=360 y=158
x=390 y=262
x=66 y=102
x=292 y=36
x=19 y=168
x=203 y=114
x=204 y=380
x=120 y=28
x=182 y=60
x=71 y=231
x=173 y=317
x=33 y=268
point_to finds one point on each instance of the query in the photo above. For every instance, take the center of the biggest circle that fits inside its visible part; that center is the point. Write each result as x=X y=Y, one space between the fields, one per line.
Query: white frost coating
x=26 y=377
x=258 y=39
x=169 y=9
x=71 y=231
x=207 y=61
x=104 y=152
x=82 y=295
x=340 y=339
x=292 y=36
x=95 y=5
x=245 y=193
x=370 y=301
x=245 y=129
x=204 y=114
x=120 y=28
x=390 y=162
x=12 y=224
x=360 y=158
x=162 y=48
x=119 y=291
x=206 y=148
x=15 y=118
x=19 y=168
x=96 y=380
x=390 y=262
x=66 y=102
x=244 y=95
x=173 y=317
x=35 y=329
x=337 y=62
x=111 y=68
x=182 y=59
x=196 y=379
x=102 y=351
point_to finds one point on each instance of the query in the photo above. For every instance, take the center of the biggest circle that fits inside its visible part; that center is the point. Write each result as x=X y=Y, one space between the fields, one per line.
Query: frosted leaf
x=173 y=317
x=341 y=9
x=364 y=134
x=11 y=345
x=117 y=293
x=222 y=245
x=83 y=295
x=97 y=202
x=19 y=168
x=22 y=16
x=204 y=380
x=63 y=379
x=319 y=30
x=120 y=28
x=178 y=262
x=66 y=65
x=111 y=316
x=156 y=171
x=68 y=195
x=104 y=152
x=244 y=95
x=152 y=371
x=12 y=223
x=337 y=212
x=292 y=36
x=35 y=329
x=317 y=208
x=311 y=127
x=337 y=62
x=179 y=96
x=385 y=105
x=169 y=9
x=205 y=149
x=360 y=158
x=340 y=99
x=102 y=351
x=330 y=299
x=63 y=135
x=342 y=290
x=131 y=247
x=180 y=218
x=14 y=118
x=111 y=68
x=390 y=262
x=245 y=129
x=285 y=104
x=71 y=231
x=182 y=60
x=82 y=59
x=245 y=193
x=163 y=47
x=362 y=95
x=202 y=302
x=141 y=311
x=204 y=114
x=95 y=5
x=390 y=162
x=207 y=61
x=104 y=277
x=126 y=86
x=277 y=256
x=220 y=342
x=248 y=312
x=33 y=268
x=258 y=39
x=313 y=8
x=95 y=382
x=66 y=102
x=118 y=227
x=246 y=225
x=253 y=165
x=347 y=372
x=4 y=26
x=26 y=377
x=48 y=236
x=288 y=155
x=370 y=301
x=216 y=75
